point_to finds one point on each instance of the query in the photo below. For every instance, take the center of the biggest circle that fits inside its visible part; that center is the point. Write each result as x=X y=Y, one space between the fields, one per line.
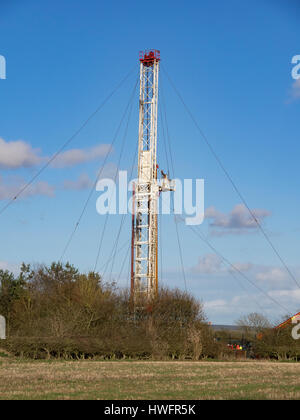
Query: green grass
x=51 y=380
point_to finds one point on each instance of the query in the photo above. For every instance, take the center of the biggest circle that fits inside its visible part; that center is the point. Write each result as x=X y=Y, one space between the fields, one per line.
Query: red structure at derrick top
x=148 y=57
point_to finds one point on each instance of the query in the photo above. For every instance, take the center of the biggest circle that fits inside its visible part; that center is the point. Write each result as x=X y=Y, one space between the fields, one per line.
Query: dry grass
x=21 y=379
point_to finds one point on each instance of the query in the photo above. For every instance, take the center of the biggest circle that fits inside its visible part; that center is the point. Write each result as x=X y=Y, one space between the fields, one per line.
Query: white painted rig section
x=145 y=237
x=2 y=328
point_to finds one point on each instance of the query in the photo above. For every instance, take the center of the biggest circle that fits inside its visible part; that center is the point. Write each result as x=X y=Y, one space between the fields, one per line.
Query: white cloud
x=83 y=182
x=273 y=274
x=110 y=170
x=235 y=306
x=240 y=266
x=77 y=156
x=238 y=221
x=209 y=263
x=12 y=187
x=17 y=154
x=217 y=303
x=213 y=264
x=289 y=297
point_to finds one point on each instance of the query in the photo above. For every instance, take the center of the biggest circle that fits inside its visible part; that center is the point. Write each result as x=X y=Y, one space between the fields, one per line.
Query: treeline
x=57 y=311
x=268 y=342
x=261 y=339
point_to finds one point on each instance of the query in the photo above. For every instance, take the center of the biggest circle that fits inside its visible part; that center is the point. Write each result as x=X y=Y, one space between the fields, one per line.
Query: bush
x=58 y=312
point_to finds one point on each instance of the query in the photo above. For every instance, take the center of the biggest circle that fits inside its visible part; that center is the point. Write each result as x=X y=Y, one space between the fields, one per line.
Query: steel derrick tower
x=144 y=255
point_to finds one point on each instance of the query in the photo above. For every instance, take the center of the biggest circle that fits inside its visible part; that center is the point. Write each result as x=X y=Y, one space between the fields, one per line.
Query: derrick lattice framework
x=144 y=255
x=144 y=269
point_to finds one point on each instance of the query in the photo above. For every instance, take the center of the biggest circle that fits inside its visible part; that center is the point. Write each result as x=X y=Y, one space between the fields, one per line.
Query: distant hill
x=218 y=327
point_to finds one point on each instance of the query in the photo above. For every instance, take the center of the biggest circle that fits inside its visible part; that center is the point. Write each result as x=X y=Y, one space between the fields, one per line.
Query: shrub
x=58 y=312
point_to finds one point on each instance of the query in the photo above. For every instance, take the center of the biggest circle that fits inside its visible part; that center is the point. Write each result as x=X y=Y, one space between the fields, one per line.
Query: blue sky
x=231 y=61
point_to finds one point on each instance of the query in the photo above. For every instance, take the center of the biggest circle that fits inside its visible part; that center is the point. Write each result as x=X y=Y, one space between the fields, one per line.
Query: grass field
x=21 y=379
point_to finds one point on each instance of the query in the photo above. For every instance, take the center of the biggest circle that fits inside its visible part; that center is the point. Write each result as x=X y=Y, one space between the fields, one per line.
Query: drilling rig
x=144 y=245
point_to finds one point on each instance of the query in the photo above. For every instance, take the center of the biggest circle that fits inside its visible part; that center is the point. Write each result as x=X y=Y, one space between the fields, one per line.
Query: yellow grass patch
x=148 y=380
